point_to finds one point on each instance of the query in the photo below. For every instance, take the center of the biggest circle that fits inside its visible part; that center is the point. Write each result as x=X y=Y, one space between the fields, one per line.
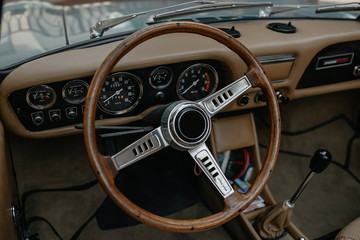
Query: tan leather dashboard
x=311 y=37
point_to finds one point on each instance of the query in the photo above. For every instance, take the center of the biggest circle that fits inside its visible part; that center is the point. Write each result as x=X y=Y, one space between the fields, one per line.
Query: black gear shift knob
x=318 y=163
x=320 y=160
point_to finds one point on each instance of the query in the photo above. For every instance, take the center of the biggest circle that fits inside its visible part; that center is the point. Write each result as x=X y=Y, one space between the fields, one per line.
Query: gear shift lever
x=320 y=160
x=272 y=222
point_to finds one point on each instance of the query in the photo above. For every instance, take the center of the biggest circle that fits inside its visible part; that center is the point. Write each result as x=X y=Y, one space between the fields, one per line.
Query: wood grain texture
x=103 y=167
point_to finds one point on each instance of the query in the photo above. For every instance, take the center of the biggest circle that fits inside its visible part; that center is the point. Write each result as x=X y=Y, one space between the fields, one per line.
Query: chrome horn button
x=185 y=125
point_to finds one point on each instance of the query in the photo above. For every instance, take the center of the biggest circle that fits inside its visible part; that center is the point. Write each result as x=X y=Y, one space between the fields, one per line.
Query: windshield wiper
x=339 y=8
x=214 y=6
x=202 y=6
x=102 y=26
x=268 y=11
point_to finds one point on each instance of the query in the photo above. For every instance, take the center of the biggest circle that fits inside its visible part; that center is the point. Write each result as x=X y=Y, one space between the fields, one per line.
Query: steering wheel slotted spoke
x=220 y=99
x=209 y=166
x=145 y=146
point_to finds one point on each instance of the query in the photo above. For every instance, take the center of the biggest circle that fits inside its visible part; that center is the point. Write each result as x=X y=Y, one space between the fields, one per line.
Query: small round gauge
x=75 y=91
x=197 y=82
x=41 y=97
x=121 y=93
x=160 y=77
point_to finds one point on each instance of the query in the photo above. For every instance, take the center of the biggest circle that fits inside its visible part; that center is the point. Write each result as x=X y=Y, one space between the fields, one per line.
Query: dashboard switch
x=259 y=98
x=37 y=118
x=357 y=70
x=71 y=112
x=281 y=97
x=55 y=115
x=244 y=100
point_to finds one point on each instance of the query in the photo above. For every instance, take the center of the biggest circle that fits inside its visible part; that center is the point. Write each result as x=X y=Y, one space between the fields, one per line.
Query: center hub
x=185 y=125
x=191 y=125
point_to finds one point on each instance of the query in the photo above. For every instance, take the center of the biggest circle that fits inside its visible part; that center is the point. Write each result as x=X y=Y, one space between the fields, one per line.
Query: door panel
x=7 y=191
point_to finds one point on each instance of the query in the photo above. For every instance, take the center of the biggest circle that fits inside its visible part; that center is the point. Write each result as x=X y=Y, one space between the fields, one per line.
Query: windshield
x=30 y=28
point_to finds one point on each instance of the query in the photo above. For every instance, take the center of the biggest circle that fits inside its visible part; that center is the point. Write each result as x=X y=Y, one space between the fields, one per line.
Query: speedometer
x=197 y=81
x=121 y=93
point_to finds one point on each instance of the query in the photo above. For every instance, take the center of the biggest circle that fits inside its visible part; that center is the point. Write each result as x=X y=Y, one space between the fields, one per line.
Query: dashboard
x=45 y=97
x=124 y=93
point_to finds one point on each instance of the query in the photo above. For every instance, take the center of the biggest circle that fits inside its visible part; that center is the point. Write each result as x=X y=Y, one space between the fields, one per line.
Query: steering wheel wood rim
x=103 y=166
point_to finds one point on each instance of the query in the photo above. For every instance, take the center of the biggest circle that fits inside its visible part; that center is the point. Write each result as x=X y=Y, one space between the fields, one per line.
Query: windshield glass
x=30 y=28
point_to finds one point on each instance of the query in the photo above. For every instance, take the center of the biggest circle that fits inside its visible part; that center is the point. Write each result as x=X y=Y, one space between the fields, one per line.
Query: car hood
x=32 y=28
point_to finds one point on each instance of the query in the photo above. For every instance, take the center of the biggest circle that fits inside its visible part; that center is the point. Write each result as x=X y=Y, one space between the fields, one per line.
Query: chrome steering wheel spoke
x=143 y=147
x=220 y=99
x=209 y=166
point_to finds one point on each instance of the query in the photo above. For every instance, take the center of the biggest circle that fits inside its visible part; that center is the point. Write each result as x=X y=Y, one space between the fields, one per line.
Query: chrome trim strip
x=276 y=58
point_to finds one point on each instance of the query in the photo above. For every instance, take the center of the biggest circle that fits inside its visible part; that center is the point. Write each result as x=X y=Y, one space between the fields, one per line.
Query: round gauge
x=121 y=93
x=41 y=97
x=75 y=91
x=197 y=81
x=160 y=77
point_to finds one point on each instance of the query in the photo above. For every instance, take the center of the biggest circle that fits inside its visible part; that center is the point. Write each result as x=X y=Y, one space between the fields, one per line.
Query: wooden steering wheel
x=185 y=126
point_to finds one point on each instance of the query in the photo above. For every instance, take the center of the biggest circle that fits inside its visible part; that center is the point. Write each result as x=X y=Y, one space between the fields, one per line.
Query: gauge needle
x=192 y=85
x=116 y=93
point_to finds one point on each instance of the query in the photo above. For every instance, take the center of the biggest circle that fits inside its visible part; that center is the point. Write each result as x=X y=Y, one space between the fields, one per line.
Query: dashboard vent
x=334 y=61
x=282 y=27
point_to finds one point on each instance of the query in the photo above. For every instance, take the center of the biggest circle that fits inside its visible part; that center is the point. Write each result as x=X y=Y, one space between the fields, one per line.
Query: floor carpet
x=332 y=198
x=330 y=201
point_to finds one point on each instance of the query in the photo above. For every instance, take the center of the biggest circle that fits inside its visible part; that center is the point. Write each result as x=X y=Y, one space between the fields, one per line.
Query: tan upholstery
x=350 y=232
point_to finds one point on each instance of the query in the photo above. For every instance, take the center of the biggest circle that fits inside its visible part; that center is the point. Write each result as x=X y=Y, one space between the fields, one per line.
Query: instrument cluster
x=123 y=93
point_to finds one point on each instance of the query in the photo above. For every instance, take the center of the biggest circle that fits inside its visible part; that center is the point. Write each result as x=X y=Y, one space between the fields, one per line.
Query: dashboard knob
x=259 y=98
x=245 y=99
x=71 y=112
x=357 y=70
x=281 y=97
x=160 y=97
x=55 y=117
x=38 y=120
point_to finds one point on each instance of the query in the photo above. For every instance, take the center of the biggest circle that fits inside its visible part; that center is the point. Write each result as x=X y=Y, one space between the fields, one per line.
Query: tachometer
x=121 y=93
x=197 y=81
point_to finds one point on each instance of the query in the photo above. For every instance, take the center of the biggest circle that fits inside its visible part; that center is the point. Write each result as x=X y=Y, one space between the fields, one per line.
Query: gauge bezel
x=63 y=93
x=137 y=101
x=41 y=107
x=193 y=66
x=164 y=85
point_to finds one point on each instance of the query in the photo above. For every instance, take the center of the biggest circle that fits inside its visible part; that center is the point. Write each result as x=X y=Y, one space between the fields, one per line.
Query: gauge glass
x=161 y=77
x=75 y=91
x=197 y=82
x=41 y=97
x=120 y=93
